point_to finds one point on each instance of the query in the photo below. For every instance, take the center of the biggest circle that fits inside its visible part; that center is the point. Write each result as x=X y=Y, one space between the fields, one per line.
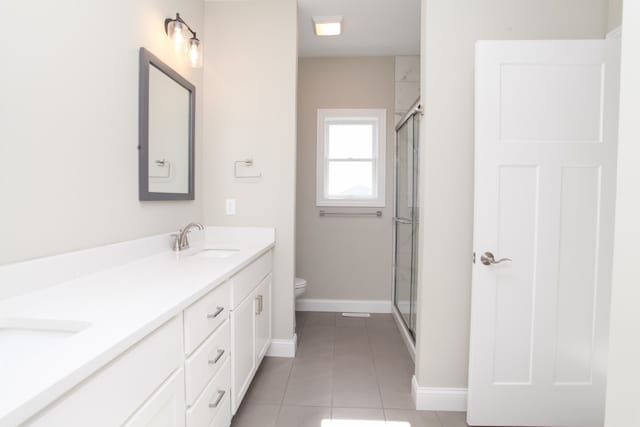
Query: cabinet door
x=263 y=318
x=165 y=408
x=242 y=348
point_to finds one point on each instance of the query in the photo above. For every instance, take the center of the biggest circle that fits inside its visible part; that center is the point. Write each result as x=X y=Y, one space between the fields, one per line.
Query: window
x=350 y=159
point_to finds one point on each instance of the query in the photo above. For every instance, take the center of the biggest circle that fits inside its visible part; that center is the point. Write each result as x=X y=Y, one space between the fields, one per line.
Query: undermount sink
x=215 y=253
x=22 y=338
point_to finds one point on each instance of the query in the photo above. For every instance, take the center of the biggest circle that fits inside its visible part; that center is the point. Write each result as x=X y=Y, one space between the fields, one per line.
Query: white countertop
x=122 y=305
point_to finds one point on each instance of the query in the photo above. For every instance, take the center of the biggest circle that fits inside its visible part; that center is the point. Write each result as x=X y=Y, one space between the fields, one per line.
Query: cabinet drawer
x=247 y=280
x=223 y=418
x=204 y=316
x=213 y=400
x=206 y=361
x=165 y=407
x=114 y=393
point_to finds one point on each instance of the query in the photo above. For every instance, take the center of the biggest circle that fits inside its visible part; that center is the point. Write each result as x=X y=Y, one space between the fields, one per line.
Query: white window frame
x=329 y=116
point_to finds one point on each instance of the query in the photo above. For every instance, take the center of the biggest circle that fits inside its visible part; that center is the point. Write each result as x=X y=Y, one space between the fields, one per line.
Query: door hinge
x=474 y=257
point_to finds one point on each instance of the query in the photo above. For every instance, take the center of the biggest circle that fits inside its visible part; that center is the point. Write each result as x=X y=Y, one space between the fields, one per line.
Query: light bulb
x=177 y=31
x=178 y=39
x=195 y=53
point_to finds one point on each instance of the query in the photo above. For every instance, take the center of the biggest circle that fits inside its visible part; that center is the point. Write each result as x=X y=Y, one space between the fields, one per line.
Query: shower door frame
x=415 y=110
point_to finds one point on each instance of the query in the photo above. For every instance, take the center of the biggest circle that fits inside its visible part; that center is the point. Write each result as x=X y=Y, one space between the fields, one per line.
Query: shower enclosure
x=405 y=220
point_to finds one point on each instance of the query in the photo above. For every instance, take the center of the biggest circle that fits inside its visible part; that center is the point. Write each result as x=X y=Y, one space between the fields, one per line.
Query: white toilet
x=301 y=287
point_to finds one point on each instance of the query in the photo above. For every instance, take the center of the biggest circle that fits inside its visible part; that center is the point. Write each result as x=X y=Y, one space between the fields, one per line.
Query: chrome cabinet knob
x=487 y=258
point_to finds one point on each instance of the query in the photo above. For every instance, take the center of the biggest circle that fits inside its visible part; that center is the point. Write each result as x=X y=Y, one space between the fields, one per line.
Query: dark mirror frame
x=147 y=59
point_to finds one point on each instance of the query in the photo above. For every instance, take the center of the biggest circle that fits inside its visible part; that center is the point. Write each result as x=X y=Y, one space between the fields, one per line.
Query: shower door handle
x=402 y=220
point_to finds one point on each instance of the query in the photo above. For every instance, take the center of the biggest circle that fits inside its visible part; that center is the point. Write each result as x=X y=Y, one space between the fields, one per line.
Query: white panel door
x=546 y=130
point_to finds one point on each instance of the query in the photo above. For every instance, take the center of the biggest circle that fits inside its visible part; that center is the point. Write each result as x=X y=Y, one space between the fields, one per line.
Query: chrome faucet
x=182 y=242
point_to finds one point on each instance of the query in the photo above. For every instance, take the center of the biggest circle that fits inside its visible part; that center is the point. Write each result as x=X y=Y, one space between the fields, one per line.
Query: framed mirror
x=166 y=132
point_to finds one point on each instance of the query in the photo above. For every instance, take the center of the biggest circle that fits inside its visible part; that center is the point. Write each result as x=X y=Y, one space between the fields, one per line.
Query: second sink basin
x=23 y=338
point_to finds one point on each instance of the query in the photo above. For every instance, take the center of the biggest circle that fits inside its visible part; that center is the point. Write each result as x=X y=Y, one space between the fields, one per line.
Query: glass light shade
x=195 y=53
x=179 y=33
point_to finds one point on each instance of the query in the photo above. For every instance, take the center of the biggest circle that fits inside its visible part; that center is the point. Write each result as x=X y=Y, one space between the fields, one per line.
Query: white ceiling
x=369 y=28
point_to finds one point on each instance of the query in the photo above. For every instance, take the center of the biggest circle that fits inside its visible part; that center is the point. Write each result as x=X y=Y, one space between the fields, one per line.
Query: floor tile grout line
x=375 y=368
x=333 y=358
x=275 y=423
x=288 y=377
x=304 y=322
x=287 y=384
x=369 y=329
x=439 y=419
x=286 y=387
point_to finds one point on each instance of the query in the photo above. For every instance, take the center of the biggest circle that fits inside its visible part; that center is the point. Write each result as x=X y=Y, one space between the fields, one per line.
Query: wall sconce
x=179 y=31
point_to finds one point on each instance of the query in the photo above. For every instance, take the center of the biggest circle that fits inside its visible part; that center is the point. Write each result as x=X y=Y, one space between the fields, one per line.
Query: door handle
x=487 y=258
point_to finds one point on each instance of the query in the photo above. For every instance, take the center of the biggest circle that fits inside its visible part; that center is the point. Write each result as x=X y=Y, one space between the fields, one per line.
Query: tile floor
x=348 y=372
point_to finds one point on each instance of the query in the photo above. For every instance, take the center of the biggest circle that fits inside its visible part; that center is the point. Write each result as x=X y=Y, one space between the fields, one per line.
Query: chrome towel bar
x=330 y=213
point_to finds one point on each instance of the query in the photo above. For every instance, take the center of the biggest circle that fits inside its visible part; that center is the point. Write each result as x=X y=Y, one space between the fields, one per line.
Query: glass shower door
x=405 y=220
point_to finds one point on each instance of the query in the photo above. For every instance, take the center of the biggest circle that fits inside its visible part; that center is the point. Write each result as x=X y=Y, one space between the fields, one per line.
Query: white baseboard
x=344 y=305
x=438 y=398
x=283 y=348
x=404 y=332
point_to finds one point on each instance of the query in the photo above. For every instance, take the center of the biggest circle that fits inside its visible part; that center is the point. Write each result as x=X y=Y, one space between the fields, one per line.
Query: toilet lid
x=300 y=283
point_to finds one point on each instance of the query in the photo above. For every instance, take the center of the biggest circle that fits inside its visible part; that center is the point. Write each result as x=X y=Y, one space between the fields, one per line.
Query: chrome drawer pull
x=216 y=314
x=215 y=404
x=214 y=361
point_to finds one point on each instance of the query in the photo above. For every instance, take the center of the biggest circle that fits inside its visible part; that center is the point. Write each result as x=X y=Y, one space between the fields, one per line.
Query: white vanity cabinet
x=193 y=371
x=250 y=324
x=111 y=396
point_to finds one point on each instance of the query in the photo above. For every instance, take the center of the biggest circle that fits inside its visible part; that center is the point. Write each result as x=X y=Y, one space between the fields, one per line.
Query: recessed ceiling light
x=327 y=25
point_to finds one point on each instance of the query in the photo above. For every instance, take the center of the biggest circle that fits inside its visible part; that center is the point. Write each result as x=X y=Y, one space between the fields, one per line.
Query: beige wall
x=615 y=14
x=447 y=157
x=250 y=91
x=342 y=258
x=69 y=123
x=623 y=400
